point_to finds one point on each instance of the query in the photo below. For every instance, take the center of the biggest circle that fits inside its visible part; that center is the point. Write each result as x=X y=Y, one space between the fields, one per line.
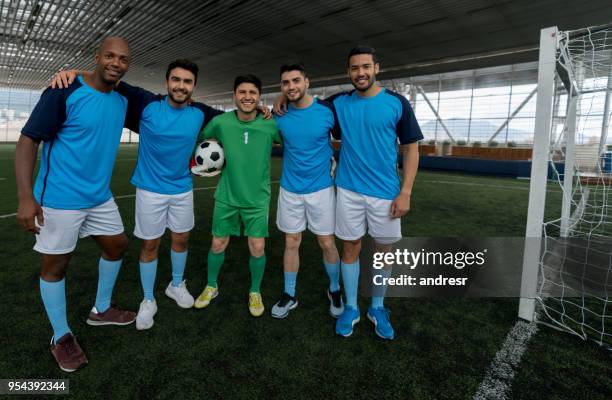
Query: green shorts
x=226 y=220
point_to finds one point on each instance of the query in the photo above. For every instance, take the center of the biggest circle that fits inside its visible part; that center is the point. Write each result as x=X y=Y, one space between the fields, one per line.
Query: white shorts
x=296 y=210
x=355 y=212
x=63 y=228
x=155 y=212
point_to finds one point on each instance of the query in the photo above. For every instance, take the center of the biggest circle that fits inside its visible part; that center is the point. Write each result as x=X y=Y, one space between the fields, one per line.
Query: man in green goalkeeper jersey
x=244 y=189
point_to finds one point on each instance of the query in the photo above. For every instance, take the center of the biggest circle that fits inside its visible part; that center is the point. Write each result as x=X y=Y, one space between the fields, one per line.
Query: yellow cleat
x=256 y=306
x=206 y=297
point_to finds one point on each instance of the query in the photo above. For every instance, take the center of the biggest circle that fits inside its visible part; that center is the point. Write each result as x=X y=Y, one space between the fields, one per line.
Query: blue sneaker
x=382 y=325
x=346 y=322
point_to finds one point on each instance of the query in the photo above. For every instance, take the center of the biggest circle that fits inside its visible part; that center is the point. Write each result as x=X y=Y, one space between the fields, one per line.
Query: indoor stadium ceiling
x=227 y=38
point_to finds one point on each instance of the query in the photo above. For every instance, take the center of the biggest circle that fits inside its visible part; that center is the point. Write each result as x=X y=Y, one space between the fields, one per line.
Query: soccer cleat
x=284 y=305
x=113 y=316
x=68 y=353
x=146 y=312
x=346 y=322
x=180 y=294
x=256 y=306
x=336 y=306
x=206 y=297
x=382 y=324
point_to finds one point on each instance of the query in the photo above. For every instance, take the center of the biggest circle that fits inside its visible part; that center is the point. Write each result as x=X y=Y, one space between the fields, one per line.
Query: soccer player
x=244 y=188
x=77 y=124
x=307 y=196
x=168 y=128
x=372 y=119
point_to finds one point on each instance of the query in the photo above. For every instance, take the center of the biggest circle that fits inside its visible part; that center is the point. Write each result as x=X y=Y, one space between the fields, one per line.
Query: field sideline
x=443 y=346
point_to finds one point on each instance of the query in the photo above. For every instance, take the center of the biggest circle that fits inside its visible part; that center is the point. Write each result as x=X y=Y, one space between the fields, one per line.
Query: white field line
x=38 y=159
x=498 y=379
x=128 y=196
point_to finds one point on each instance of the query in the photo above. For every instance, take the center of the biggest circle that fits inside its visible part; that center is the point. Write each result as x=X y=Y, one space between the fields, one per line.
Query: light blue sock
x=290 y=282
x=107 y=275
x=178 y=266
x=378 y=292
x=147 y=278
x=54 y=298
x=350 y=278
x=333 y=271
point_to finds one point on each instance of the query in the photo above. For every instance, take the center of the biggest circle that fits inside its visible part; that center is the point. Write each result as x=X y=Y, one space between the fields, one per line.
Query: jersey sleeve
x=209 y=113
x=277 y=135
x=407 y=129
x=336 y=96
x=48 y=116
x=138 y=98
x=209 y=131
x=335 y=130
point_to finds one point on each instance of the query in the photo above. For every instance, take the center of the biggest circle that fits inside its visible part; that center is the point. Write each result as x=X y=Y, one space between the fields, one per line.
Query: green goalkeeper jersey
x=245 y=180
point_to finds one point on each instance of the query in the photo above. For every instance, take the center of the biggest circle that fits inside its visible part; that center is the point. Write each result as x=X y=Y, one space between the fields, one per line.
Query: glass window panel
x=454 y=108
x=481 y=129
x=15 y=108
x=528 y=109
x=520 y=130
x=492 y=106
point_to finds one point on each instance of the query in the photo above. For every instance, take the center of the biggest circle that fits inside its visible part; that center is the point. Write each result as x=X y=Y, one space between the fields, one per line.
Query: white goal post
x=567 y=260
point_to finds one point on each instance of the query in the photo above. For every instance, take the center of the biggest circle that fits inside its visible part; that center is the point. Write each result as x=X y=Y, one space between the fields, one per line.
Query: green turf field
x=442 y=350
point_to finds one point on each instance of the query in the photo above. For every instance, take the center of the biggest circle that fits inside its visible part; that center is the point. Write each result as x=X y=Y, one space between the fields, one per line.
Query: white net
x=575 y=278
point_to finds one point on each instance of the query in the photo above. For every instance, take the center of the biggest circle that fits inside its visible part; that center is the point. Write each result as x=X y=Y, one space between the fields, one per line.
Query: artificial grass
x=442 y=350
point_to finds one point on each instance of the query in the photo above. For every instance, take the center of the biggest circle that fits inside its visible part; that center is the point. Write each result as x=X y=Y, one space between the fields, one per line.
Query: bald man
x=80 y=127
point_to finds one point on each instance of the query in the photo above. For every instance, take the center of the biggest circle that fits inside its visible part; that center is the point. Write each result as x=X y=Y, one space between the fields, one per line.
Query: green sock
x=215 y=261
x=257 y=267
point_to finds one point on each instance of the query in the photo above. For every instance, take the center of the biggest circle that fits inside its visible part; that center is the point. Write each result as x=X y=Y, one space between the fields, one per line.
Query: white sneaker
x=146 y=312
x=180 y=294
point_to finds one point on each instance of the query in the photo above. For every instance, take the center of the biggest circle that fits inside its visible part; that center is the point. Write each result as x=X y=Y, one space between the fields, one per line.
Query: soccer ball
x=209 y=159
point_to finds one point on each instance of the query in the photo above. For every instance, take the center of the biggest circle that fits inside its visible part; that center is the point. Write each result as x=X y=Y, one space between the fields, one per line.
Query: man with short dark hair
x=306 y=197
x=72 y=199
x=373 y=121
x=243 y=193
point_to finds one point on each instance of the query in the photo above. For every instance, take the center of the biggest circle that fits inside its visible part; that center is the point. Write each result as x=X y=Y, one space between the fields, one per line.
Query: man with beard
x=307 y=196
x=243 y=193
x=78 y=125
x=372 y=119
x=168 y=128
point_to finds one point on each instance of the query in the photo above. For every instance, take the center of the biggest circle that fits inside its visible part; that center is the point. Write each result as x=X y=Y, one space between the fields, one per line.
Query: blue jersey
x=371 y=128
x=167 y=138
x=81 y=130
x=307 y=149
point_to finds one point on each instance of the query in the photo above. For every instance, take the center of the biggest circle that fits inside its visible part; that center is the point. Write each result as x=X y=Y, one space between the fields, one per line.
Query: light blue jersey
x=167 y=138
x=81 y=130
x=371 y=128
x=307 y=149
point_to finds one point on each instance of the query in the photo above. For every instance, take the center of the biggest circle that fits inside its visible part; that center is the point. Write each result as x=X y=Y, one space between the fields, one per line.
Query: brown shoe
x=113 y=316
x=68 y=353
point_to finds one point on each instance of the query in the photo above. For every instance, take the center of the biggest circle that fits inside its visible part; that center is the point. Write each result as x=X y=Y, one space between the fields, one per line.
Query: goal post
x=539 y=170
x=567 y=260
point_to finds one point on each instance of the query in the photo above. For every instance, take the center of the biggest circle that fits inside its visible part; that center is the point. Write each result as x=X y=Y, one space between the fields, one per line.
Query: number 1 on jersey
x=246 y=137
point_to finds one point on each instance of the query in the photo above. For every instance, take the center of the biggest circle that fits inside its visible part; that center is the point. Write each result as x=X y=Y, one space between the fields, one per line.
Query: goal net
x=567 y=269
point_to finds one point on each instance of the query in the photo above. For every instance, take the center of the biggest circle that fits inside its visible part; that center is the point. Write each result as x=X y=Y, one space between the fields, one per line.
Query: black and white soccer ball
x=209 y=159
